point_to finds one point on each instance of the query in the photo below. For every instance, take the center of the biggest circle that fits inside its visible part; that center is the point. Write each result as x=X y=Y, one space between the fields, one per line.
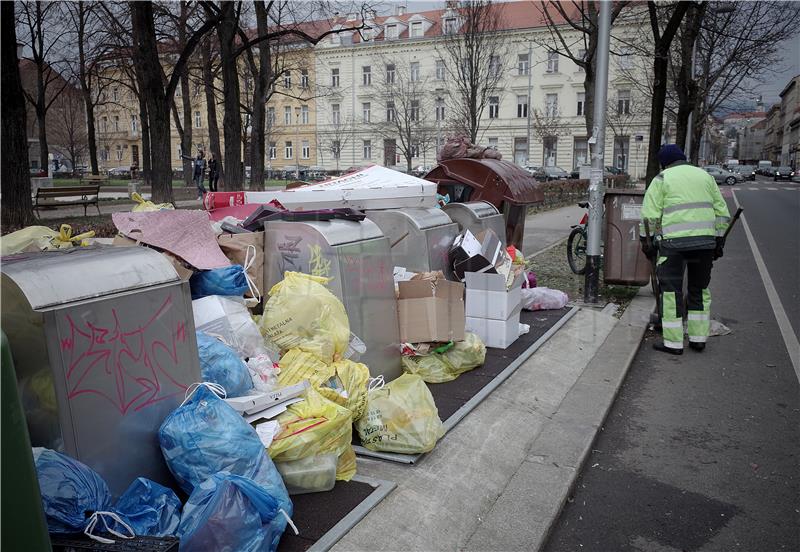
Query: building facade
x=790 y=123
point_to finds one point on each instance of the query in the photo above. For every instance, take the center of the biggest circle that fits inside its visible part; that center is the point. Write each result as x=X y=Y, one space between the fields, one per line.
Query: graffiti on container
x=131 y=367
x=317 y=264
x=290 y=254
x=368 y=274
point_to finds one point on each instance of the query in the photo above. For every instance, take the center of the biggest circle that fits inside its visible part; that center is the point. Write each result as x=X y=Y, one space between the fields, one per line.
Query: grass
x=123 y=183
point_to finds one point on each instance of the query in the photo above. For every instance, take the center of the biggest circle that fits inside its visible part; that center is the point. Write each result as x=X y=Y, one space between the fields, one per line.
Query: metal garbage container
x=356 y=256
x=104 y=349
x=420 y=238
x=477 y=216
x=623 y=260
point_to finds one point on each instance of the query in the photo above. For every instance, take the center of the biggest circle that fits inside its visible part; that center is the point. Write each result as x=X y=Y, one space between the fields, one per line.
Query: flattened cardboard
x=431 y=311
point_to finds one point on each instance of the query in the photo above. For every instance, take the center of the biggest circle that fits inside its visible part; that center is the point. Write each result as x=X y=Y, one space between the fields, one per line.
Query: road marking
x=772 y=189
x=789 y=339
x=753 y=189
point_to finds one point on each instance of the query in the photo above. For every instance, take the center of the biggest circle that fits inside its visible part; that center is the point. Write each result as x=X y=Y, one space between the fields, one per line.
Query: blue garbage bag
x=221 y=365
x=205 y=435
x=229 y=280
x=149 y=508
x=230 y=512
x=71 y=491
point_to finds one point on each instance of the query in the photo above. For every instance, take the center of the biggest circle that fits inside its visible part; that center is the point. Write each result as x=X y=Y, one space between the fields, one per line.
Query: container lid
x=58 y=277
x=426 y=217
x=479 y=209
x=516 y=185
x=338 y=232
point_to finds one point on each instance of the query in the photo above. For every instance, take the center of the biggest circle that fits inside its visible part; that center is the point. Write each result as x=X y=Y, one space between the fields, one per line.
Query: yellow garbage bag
x=348 y=387
x=41 y=238
x=143 y=205
x=316 y=426
x=302 y=313
x=441 y=367
x=297 y=365
x=401 y=417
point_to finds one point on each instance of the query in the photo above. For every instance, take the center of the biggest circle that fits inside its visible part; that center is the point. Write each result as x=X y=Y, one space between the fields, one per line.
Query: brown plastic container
x=623 y=260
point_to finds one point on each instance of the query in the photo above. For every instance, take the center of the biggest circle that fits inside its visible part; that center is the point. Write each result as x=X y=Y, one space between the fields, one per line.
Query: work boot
x=664 y=349
x=699 y=347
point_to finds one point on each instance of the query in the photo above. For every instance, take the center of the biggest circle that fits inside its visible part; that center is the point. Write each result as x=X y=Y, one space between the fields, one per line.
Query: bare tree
x=548 y=126
x=474 y=52
x=622 y=117
x=15 y=179
x=69 y=130
x=208 y=72
x=337 y=138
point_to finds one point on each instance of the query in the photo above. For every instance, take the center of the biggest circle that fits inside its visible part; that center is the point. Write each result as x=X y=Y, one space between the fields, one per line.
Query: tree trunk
x=186 y=101
x=86 y=90
x=685 y=85
x=588 y=104
x=232 y=120
x=697 y=133
x=15 y=179
x=258 y=122
x=147 y=166
x=91 y=135
x=211 y=107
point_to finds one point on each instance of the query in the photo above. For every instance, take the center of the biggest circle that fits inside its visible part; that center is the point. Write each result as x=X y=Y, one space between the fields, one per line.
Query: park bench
x=81 y=195
x=95 y=179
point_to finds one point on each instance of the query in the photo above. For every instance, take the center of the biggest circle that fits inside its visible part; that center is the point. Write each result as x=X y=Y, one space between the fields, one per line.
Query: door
x=135 y=156
x=389 y=152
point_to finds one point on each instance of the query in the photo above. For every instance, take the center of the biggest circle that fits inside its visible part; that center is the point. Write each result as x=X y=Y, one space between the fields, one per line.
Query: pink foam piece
x=240 y=212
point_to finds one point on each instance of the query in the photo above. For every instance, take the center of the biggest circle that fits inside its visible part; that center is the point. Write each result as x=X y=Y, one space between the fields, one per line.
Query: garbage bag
x=149 y=508
x=348 y=387
x=205 y=435
x=228 y=319
x=41 y=238
x=263 y=372
x=297 y=365
x=401 y=417
x=228 y=280
x=436 y=367
x=312 y=427
x=221 y=365
x=542 y=298
x=143 y=205
x=302 y=313
x=229 y=512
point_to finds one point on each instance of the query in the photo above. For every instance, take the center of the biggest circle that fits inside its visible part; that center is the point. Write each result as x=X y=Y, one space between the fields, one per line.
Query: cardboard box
x=498 y=334
x=488 y=297
x=431 y=311
x=481 y=253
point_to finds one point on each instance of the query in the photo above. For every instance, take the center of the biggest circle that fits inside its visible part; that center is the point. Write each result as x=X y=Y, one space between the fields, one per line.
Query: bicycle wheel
x=576 y=250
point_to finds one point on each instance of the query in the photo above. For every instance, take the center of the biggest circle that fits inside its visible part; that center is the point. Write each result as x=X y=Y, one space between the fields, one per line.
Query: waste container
x=503 y=184
x=357 y=258
x=477 y=216
x=623 y=260
x=419 y=238
x=103 y=345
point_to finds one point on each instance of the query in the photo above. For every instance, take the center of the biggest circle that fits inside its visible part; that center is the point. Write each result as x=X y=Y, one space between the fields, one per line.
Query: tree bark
x=260 y=94
x=685 y=84
x=147 y=166
x=15 y=180
x=86 y=90
x=232 y=119
x=211 y=107
x=186 y=101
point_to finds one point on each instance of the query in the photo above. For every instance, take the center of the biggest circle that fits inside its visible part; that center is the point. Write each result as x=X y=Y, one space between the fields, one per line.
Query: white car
x=119 y=171
x=723 y=176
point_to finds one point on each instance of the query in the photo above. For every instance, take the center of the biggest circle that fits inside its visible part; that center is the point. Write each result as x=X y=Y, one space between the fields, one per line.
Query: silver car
x=723 y=176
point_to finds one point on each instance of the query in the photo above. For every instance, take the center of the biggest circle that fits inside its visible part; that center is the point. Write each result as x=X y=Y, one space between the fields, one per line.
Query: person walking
x=198 y=170
x=213 y=173
x=688 y=218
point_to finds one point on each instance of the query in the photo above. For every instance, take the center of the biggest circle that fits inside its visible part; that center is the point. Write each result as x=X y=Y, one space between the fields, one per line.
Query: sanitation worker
x=688 y=218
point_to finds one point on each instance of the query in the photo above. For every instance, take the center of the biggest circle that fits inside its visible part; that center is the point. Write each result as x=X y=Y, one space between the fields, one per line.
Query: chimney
x=400 y=10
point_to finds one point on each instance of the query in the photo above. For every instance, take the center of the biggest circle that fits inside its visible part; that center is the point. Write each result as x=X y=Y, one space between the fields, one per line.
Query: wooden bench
x=95 y=179
x=89 y=195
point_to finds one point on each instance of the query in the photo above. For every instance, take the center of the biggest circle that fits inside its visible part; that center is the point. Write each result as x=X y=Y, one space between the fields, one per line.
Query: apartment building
x=118 y=128
x=790 y=123
x=773 y=135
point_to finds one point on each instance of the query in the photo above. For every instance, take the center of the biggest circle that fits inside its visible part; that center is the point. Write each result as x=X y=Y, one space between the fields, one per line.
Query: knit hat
x=669 y=154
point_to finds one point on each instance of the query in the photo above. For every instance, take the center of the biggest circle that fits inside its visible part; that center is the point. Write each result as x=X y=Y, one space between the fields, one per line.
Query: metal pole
x=530 y=98
x=595 y=227
x=688 y=142
x=297 y=143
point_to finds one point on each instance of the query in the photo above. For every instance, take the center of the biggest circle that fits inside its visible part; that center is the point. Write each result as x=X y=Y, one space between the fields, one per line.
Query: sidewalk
x=542 y=230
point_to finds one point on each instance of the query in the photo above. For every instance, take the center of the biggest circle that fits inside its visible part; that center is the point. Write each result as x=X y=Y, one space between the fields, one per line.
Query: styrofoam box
x=498 y=334
x=488 y=297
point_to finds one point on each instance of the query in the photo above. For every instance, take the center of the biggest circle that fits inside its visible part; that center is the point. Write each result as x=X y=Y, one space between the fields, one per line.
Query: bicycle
x=576 y=243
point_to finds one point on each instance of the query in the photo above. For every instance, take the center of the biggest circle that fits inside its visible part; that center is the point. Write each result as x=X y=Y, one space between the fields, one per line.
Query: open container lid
x=516 y=185
x=336 y=231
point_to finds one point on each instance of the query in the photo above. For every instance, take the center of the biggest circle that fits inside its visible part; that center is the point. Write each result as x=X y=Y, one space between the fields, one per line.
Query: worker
x=688 y=218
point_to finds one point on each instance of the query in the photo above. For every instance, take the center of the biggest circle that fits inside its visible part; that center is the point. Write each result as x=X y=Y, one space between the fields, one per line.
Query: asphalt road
x=701 y=452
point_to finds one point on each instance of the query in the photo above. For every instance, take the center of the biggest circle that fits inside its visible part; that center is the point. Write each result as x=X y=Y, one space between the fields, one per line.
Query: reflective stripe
x=673 y=344
x=723 y=219
x=720 y=233
x=704 y=225
x=698 y=338
x=700 y=316
x=694 y=205
x=671 y=324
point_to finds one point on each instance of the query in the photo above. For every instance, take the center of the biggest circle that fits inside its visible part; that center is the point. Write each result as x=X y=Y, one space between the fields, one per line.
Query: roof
x=746 y=115
x=789 y=85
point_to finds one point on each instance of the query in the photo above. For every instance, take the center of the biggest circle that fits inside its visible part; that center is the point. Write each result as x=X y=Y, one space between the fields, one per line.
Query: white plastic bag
x=228 y=320
x=263 y=372
x=542 y=298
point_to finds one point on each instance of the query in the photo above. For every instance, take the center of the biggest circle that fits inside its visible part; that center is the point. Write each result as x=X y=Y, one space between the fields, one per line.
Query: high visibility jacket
x=684 y=202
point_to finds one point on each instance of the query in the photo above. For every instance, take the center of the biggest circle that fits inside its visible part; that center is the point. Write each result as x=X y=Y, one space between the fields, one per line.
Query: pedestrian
x=688 y=218
x=199 y=172
x=213 y=173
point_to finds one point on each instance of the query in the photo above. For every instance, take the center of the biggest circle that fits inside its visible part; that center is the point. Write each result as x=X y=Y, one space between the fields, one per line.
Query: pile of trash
x=459 y=146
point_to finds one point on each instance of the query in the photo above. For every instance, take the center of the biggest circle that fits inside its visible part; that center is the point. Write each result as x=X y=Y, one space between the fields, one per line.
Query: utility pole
x=530 y=97
x=598 y=140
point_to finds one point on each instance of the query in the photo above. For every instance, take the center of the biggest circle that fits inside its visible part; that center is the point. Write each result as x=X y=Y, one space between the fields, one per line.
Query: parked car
x=531 y=169
x=748 y=172
x=615 y=170
x=723 y=176
x=119 y=171
x=551 y=173
x=421 y=170
x=783 y=173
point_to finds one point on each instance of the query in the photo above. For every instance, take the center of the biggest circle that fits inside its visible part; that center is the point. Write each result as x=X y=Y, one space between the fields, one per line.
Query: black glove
x=648 y=248
x=720 y=246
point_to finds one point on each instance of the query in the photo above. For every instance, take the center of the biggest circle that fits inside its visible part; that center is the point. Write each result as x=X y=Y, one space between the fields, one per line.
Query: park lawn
x=123 y=183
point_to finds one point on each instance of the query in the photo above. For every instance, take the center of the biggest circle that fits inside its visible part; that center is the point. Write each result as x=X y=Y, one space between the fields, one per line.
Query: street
x=700 y=452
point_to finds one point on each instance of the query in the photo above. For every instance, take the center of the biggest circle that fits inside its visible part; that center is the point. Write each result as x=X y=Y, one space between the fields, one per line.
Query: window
x=416 y=29
x=304 y=78
x=623 y=102
x=551 y=105
x=336 y=148
x=198 y=121
x=304 y=114
x=390 y=73
x=521 y=151
x=335 y=114
x=552 y=62
x=440 y=70
x=104 y=124
x=450 y=25
x=287 y=79
x=119 y=153
x=270 y=116
x=273 y=150
x=335 y=77
x=415 y=110
x=366 y=75
x=306 y=151
x=134 y=155
x=365 y=110
x=493 y=143
x=581 y=104
x=522 y=106
x=414 y=71
x=116 y=123
x=523 y=65
x=581 y=56
x=580 y=153
x=494 y=107
x=367 y=149
x=494 y=66
x=390 y=113
x=287 y=115
x=391 y=34
x=134 y=124
x=105 y=154
x=621 y=149
x=288 y=152
x=439 y=109
x=414 y=149
x=115 y=95
x=550 y=156
x=626 y=59
x=180 y=152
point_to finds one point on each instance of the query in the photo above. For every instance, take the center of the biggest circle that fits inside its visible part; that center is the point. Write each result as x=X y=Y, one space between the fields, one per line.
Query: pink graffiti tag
x=129 y=358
